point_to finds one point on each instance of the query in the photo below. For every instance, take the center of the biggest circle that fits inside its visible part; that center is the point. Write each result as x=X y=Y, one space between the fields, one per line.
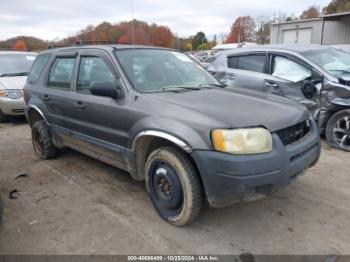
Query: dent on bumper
x=12 y=106
x=237 y=178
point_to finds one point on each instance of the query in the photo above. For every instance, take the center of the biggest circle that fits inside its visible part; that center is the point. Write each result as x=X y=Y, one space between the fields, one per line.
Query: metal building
x=331 y=29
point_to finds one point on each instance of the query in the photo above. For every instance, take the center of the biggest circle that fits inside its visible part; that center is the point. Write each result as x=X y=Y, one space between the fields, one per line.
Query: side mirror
x=107 y=89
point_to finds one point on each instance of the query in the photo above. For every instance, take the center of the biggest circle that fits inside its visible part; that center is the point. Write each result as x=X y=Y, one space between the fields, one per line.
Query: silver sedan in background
x=14 y=68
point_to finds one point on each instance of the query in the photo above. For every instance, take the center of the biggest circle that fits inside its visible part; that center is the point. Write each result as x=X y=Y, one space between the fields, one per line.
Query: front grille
x=293 y=133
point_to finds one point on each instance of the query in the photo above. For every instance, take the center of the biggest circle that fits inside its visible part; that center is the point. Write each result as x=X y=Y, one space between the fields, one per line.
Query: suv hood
x=239 y=107
x=13 y=82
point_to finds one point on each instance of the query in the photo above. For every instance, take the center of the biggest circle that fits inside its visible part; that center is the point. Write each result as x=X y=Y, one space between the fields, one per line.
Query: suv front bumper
x=228 y=178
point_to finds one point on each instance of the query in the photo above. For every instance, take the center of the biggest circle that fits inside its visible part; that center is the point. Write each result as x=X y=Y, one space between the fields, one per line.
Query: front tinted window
x=92 y=69
x=37 y=68
x=254 y=63
x=16 y=64
x=61 y=73
x=289 y=70
x=157 y=70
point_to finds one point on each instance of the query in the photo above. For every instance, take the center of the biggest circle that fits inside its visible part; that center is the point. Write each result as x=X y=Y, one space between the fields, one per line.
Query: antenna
x=132 y=23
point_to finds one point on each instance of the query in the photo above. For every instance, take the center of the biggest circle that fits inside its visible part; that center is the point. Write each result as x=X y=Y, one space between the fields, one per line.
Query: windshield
x=15 y=64
x=151 y=70
x=334 y=61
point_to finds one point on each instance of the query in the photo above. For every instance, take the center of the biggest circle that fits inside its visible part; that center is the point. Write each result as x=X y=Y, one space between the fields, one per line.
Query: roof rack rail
x=97 y=42
x=55 y=46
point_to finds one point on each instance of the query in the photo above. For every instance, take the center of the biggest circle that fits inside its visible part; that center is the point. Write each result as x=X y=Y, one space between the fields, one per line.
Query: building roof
x=297 y=21
x=335 y=16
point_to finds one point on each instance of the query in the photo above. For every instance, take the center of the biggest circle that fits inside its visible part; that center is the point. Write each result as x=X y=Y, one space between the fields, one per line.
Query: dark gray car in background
x=313 y=75
x=160 y=116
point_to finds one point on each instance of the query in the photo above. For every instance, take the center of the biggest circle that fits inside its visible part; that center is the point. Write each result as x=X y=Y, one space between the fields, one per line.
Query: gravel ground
x=78 y=205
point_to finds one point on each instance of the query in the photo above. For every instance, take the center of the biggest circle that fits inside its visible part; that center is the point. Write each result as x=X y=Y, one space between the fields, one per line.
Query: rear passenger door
x=57 y=88
x=94 y=119
x=246 y=70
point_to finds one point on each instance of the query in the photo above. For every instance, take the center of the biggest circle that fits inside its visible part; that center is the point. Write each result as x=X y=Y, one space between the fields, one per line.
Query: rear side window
x=37 y=68
x=254 y=63
x=61 y=73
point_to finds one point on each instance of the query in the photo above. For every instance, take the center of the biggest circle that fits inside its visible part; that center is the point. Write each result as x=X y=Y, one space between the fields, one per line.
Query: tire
x=42 y=141
x=3 y=118
x=173 y=186
x=338 y=130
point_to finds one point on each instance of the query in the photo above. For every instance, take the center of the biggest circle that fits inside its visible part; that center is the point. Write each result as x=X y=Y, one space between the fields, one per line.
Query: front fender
x=183 y=135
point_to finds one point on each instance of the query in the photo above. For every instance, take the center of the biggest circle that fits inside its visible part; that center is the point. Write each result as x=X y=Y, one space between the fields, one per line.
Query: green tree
x=199 y=39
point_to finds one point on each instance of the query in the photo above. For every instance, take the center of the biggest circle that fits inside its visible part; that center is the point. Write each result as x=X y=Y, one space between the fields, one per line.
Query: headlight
x=11 y=93
x=242 y=141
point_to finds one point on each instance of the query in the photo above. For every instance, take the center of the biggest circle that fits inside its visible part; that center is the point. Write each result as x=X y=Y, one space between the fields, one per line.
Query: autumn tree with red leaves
x=20 y=45
x=311 y=12
x=242 y=30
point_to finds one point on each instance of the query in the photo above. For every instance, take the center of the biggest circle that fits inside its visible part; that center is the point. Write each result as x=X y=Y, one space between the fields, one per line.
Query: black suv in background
x=159 y=115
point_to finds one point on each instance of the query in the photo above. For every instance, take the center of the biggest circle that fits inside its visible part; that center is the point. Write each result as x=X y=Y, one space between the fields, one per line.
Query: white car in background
x=14 y=68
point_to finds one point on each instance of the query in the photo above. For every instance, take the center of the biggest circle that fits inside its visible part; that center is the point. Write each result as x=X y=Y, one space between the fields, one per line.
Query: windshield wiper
x=211 y=85
x=177 y=88
x=15 y=74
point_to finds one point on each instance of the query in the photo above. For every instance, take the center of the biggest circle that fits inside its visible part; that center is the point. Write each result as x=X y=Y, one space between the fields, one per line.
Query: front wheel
x=173 y=185
x=338 y=130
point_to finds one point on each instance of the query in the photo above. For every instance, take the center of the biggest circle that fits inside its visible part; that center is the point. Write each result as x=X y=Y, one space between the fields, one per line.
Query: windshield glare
x=163 y=70
x=15 y=63
x=334 y=61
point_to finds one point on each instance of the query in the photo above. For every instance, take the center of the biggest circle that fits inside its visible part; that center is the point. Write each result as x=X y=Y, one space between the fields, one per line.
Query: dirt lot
x=78 y=205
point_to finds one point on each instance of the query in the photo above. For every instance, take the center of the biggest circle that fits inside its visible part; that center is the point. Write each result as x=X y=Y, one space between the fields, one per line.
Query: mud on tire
x=173 y=186
x=42 y=141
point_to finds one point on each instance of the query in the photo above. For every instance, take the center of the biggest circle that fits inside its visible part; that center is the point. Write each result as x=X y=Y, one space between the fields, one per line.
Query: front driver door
x=95 y=119
x=292 y=78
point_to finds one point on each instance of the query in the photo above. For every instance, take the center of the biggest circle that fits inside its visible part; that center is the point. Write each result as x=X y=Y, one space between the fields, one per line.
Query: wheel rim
x=38 y=143
x=166 y=187
x=341 y=132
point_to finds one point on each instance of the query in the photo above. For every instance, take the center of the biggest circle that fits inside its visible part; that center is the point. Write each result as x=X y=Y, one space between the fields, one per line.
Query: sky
x=57 y=19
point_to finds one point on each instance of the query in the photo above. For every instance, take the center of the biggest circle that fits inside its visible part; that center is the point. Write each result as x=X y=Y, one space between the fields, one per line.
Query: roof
x=107 y=47
x=297 y=21
x=299 y=48
x=335 y=16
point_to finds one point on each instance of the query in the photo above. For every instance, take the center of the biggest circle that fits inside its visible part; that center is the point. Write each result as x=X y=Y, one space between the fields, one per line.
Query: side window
x=289 y=70
x=254 y=63
x=92 y=69
x=37 y=68
x=61 y=72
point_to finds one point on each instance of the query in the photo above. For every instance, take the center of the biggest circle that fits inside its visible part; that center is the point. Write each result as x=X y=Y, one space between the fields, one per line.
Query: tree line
x=244 y=29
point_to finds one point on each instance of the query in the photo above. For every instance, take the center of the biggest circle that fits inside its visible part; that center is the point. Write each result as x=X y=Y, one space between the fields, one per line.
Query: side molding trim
x=166 y=136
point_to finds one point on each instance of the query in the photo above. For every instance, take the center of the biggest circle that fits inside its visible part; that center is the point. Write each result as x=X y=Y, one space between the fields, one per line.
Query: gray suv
x=160 y=116
x=313 y=75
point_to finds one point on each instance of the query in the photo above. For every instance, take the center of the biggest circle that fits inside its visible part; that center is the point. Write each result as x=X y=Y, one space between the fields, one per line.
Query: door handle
x=79 y=105
x=46 y=97
x=269 y=85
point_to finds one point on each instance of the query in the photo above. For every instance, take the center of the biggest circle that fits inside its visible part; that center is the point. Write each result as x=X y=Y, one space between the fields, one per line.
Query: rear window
x=37 y=68
x=254 y=63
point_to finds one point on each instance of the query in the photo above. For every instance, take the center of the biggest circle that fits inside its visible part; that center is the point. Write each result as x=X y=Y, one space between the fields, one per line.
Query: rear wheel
x=3 y=118
x=173 y=186
x=42 y=141
x=338 y=130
